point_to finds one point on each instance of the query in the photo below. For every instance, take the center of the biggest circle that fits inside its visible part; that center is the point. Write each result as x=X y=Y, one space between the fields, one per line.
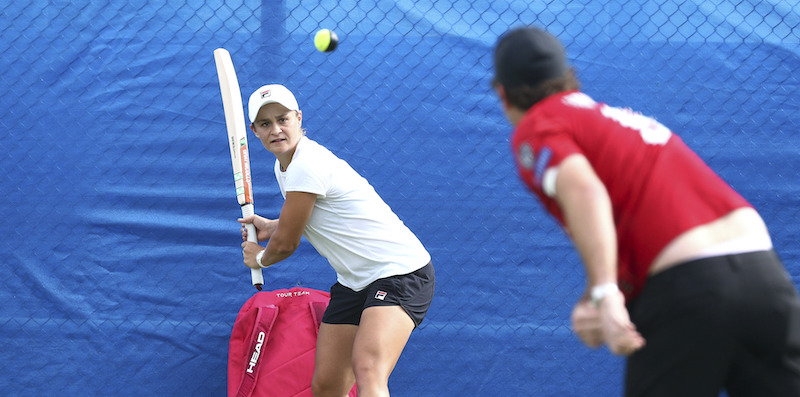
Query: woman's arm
x=288 y=229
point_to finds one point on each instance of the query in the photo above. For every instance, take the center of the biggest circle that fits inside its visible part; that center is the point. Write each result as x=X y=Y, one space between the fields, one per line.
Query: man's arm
x=588 y=216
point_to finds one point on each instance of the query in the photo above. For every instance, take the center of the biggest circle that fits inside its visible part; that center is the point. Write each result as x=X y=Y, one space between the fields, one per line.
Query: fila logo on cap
x=265 y=94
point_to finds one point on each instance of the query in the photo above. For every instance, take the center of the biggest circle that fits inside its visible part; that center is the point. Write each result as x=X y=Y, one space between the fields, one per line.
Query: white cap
x=271 y=93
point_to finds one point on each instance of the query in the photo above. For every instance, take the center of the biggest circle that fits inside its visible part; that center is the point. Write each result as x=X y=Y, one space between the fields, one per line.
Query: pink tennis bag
x=272 y=345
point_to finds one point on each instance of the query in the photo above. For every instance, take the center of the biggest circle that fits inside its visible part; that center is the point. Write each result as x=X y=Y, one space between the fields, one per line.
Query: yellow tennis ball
x=326 y=40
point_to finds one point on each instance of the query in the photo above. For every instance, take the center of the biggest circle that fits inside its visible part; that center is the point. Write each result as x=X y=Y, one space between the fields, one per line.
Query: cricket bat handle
x=255 y=274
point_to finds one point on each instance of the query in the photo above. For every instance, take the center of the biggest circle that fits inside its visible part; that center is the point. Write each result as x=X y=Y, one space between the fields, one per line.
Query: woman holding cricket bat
x=385 y=279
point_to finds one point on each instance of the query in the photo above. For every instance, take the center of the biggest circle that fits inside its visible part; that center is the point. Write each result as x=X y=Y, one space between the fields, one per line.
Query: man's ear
x=501 y=93
x=513 y=113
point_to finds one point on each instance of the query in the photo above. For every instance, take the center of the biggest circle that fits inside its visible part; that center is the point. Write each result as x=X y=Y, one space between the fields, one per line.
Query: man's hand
x=609 y=323
x=586 y=323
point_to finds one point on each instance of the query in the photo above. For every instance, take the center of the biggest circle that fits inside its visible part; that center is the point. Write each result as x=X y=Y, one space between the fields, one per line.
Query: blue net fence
x=120 y=248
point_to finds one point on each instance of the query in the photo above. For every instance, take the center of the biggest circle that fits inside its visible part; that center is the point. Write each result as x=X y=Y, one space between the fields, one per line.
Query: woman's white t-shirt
x=350 y=225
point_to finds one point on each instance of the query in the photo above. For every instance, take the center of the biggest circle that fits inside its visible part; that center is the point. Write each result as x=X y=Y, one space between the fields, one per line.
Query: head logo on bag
x=256 y=352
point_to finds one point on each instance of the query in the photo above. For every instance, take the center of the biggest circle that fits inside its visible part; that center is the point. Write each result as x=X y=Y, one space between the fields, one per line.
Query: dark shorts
x=413 y=292
x=729 y=322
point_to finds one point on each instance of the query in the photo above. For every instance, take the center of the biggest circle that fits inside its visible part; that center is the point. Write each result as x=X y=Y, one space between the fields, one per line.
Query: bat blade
x=237 y=143
x=234 y=121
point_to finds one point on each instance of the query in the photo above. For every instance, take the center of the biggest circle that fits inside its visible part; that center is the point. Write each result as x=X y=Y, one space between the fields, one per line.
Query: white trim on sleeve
x=549 y=181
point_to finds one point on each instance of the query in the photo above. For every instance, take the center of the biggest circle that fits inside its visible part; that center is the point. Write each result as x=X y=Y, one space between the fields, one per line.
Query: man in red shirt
x=682 y=277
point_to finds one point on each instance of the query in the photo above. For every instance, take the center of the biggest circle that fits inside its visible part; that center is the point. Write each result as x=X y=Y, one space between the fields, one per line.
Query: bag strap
x=317 y=310
x=265 y=319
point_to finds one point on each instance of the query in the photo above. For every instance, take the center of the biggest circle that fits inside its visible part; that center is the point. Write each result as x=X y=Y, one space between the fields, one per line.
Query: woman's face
x=278 y=128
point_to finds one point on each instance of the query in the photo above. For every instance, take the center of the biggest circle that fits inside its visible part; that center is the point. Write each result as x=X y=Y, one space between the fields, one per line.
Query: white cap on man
x=271 y=93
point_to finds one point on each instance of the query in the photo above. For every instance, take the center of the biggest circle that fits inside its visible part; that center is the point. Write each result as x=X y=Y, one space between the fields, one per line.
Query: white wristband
x=260 y=255
x=598 y=292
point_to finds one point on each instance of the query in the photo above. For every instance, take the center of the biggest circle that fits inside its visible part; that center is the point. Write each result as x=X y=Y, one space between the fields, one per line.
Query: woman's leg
x=333 y=369
x=381 y=337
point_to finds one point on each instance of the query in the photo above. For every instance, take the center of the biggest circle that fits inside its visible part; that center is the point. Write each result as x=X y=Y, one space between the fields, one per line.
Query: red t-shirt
x=659 y=188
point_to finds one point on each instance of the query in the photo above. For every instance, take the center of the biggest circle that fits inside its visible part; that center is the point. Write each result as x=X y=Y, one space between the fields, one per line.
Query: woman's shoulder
x=307 y=144
x=312 y=150
x=311 y=155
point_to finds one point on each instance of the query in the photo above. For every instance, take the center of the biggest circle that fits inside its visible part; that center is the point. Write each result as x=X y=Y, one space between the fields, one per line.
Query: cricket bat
x=237 y=142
